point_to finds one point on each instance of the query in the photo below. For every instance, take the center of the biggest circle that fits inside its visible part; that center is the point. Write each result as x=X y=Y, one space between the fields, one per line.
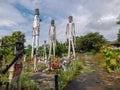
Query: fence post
x=56 y=82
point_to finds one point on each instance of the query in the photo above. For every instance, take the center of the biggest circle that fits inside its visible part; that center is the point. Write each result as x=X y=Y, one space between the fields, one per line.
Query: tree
x=60 y=48
x=118 y=22
x=91 y=41
x=28 y=52
x=118 y=37
x=8 y=50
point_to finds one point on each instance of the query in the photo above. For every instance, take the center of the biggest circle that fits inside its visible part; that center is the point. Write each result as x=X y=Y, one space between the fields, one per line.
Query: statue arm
x=74 y=34
x=66 y=30
x=49 y=33
x=55 y=33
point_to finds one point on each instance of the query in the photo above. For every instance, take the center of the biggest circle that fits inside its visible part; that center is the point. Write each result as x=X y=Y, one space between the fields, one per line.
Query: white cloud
x=7 y=23
x=9 y=15
x=100 y=16
x=108 y=18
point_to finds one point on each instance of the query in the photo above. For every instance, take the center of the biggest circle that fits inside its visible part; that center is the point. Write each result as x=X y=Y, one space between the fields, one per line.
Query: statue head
x=36 y=11
x=52 y=22
x=70 y=19
x=20 y=42
x=45 y=41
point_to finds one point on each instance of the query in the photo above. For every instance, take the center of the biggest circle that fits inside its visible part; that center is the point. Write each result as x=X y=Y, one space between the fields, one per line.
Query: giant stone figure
x=70 y=32
x=35 y=38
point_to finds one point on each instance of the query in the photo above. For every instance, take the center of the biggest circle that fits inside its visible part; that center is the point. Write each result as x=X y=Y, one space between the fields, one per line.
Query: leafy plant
x=112 y=58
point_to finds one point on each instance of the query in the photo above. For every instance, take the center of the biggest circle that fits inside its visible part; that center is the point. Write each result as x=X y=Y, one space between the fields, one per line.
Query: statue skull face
x=52 y=22
x=70 y=19
x=37 y=11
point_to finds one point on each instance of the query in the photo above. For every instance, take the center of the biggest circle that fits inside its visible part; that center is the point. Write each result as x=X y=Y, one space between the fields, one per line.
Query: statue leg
x=12 y=84
x=50 y=48
x=54 y=46
x=73 y=48
x=35 y=63
x=37 y=44
x=18 y=82
x=33 y=40
x=69 y=48
x=14 y=80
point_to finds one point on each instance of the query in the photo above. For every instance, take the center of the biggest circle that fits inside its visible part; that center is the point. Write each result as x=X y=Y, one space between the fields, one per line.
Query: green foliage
x=28 y=52
x=92 y=52
x=112 y=58
x=41 y=50
x=8 y=51
x=118 y=22
x=4 y=78
x=26 y=83
x=91 y=41
x=118 y=38
x=99 y=59
x=28 y=67
x=16 y=35
x=60 y=48
x=88 y=70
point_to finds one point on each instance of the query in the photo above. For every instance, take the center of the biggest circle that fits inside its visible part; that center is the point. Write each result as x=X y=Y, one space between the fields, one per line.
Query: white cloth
x=36 y=22
x=52 y=33
x=36 y=25
x=52 y=36
x=70 y=30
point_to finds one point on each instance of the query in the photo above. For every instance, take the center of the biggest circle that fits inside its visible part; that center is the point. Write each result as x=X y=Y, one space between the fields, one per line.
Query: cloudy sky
x=89 y=16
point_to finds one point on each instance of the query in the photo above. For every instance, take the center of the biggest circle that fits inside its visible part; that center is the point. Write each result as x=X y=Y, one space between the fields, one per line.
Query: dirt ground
x=98 y=80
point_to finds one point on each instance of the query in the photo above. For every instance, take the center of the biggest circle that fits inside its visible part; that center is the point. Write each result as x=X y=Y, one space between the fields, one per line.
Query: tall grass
x=99 y=59
x=28 y=84
x=68 y=75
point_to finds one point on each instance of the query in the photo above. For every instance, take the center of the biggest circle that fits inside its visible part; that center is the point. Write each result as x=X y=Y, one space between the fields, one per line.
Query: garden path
x=44 y=81
x=90 y=81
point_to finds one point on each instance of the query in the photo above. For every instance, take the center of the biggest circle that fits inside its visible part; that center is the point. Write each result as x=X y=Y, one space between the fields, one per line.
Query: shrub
x=28 y=84
x=66 y=76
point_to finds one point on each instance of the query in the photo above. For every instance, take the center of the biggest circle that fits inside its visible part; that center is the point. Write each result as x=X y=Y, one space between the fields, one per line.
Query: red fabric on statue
x=55 y=65
x=17 y=69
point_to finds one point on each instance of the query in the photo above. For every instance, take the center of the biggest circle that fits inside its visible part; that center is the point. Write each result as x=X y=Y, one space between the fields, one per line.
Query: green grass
x=99 y=60
x=4 y=77
x=92 y=52
x=87 y=70
x=28 y=84
x=69 y=74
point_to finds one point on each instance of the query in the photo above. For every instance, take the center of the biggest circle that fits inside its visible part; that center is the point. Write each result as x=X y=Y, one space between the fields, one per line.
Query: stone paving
x=45 y=81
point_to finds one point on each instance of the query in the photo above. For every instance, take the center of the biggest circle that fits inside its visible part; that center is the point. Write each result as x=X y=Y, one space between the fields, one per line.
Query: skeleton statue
x=70 y=32
x=18 y=64
x=35 y=38
x=52 y=37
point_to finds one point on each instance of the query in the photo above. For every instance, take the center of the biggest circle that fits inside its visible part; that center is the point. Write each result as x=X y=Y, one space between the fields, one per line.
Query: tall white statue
x=52 y=37
x=35 y=38
x=70 y=32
